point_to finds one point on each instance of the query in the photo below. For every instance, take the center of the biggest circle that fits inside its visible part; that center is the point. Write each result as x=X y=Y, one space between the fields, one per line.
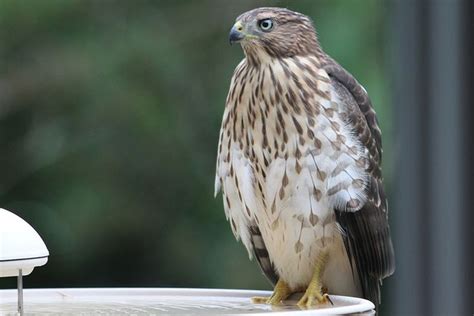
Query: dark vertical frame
x=467 y=55
x=432 y=214
x=445 y=158
x=407 y=206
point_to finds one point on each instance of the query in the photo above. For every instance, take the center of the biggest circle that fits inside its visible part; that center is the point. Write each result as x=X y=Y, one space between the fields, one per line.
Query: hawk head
x=276 y=32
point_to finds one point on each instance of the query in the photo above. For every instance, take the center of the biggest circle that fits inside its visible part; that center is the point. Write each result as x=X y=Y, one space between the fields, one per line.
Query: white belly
x=294 y=252
x=297 y=232
x=299 y=224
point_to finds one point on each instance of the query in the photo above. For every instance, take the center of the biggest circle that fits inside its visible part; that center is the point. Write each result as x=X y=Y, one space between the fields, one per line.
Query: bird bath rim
x=166 y=300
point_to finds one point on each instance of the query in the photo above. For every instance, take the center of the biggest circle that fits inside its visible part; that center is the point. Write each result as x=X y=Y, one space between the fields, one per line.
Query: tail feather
x=261 y=254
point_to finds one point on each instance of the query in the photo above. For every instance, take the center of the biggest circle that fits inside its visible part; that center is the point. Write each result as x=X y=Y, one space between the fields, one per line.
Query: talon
x=328 y=299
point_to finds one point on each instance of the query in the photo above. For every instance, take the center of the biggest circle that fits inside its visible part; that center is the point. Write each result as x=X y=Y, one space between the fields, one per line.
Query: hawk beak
x=236 y=33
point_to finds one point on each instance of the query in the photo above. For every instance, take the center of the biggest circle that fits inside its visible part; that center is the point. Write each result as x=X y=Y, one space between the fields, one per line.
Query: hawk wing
x=366 y=232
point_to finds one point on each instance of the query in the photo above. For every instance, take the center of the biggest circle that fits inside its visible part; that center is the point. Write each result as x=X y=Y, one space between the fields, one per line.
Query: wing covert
x=366 y=233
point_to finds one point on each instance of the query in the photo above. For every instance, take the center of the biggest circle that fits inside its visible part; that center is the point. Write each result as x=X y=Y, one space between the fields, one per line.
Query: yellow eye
x=265 y=25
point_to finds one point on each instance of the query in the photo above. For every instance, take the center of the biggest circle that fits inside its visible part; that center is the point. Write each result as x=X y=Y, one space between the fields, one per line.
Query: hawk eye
x=265 y=25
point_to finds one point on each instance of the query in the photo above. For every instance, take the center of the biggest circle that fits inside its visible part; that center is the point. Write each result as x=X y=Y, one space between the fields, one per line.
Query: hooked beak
x=236 y=33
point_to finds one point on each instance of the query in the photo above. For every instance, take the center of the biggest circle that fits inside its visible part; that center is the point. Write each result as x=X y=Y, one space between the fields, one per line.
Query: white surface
x=20 y=246
x=156 y=301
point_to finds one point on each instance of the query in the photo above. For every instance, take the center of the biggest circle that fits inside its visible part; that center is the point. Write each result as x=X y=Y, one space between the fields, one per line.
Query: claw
x=329 y=299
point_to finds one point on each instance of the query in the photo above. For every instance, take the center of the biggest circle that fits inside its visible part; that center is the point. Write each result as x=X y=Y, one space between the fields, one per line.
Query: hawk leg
x=315 y=293
x=280 y=293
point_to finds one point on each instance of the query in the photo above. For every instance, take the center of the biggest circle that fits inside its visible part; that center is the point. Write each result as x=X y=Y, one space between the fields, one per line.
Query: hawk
x=298 y=164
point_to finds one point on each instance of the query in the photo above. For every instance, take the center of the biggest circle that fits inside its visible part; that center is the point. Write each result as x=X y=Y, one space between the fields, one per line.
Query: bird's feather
x=366 y=232
x=260 y=253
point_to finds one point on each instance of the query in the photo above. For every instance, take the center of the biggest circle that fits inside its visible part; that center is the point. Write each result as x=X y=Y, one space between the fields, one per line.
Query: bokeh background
x=109 y=119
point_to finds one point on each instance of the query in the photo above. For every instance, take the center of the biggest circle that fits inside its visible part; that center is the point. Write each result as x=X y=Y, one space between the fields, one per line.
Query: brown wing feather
x=372 y=140
x=366 y=232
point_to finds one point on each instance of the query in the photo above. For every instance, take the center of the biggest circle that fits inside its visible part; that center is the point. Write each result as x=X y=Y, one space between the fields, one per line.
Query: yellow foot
x=314 y=298
x=315 y=293
x=280 y=293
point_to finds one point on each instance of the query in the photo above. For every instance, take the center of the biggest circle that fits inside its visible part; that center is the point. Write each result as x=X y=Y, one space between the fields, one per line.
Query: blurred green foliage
x=109 y=118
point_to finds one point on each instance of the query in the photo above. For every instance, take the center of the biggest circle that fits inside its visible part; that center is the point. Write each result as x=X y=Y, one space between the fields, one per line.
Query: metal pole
x=20 y=292
x=430 y=204
x=408 y=203
x=445 y=164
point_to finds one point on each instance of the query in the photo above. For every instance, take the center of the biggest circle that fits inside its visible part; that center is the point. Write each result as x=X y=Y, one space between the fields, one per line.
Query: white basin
x=156 y=301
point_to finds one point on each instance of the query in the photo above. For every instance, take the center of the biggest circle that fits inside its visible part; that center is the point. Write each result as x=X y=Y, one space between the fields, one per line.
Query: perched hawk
x=299 y=164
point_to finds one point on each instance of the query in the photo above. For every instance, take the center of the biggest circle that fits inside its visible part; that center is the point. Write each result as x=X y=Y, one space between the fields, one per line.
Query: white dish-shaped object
x=156 y=301
x=21 y=248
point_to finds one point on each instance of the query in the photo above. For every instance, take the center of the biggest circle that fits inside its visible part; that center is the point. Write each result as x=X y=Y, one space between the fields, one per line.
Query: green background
x=109 y=121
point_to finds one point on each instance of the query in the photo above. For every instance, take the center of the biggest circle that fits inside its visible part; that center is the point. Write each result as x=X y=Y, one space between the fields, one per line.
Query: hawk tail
x=261 y=254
